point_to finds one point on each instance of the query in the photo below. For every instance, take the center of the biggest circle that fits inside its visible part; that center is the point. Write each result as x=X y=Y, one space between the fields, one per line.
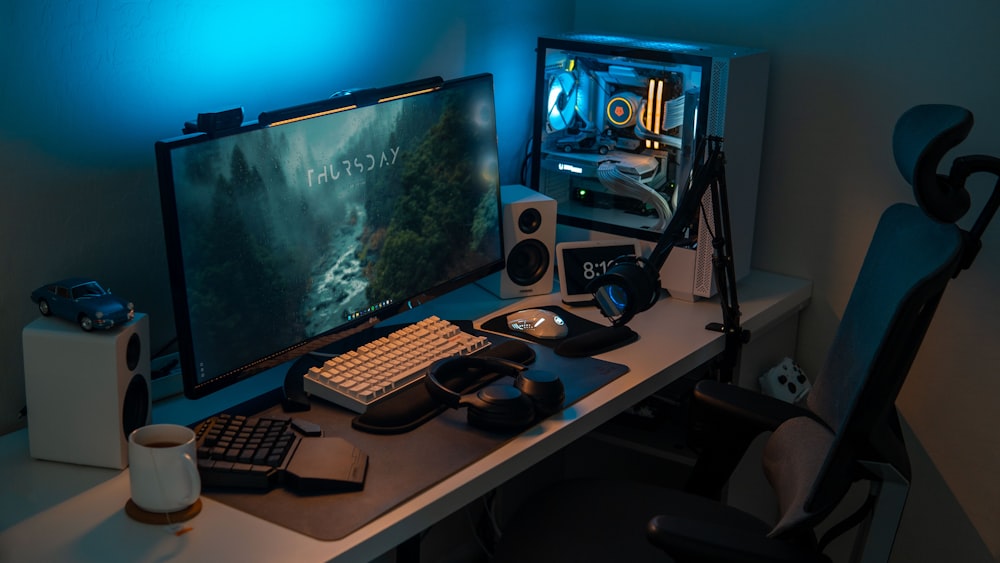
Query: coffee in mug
x=163 y=468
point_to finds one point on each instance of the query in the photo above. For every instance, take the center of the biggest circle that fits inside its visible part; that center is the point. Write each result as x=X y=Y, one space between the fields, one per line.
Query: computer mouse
x=539 y=323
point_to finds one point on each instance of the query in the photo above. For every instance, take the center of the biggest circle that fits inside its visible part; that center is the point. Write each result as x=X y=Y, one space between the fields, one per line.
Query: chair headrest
x=922 y=137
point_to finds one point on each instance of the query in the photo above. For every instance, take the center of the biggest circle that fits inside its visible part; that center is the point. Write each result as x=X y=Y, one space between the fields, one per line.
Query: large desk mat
x=400 y=466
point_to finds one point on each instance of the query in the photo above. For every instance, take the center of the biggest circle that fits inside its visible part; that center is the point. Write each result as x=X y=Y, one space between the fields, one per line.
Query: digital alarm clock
x=578 y=263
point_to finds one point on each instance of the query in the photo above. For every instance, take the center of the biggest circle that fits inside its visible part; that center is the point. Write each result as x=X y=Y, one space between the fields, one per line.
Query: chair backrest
x=912 y=256
x=910 y=261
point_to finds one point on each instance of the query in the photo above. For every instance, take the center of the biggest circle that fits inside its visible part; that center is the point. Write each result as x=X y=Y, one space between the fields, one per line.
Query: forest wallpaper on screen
x=289 y=232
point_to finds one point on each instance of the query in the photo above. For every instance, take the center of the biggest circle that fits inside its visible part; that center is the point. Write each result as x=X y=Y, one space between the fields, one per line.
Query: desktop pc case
x=616 y=129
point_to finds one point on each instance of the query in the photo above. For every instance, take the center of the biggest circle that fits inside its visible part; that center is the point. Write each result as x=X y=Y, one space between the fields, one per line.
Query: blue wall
x=96 y=82
x=89 y=85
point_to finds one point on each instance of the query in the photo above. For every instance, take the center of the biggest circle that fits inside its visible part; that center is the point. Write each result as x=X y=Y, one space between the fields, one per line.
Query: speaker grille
x=135 y=406
x=527 y=262
x=133 y=351
x=529 y=220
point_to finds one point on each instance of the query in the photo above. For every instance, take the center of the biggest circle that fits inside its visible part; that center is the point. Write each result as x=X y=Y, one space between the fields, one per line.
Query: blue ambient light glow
x=109 y=77
x=97 y=82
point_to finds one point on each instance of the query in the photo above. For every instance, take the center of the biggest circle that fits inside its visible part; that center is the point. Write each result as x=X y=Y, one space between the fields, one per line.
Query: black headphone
x=630 y=285
x=500 y=406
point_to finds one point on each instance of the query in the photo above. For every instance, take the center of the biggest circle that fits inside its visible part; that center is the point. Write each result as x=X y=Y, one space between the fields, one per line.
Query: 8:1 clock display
x=580 y=262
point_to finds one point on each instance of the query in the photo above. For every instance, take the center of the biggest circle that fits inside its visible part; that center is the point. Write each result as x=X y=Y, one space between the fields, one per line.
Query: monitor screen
x=283 y=237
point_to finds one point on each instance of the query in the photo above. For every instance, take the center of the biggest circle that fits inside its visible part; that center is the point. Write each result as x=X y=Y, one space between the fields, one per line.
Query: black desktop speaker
x=86 y=391
x=529 y=240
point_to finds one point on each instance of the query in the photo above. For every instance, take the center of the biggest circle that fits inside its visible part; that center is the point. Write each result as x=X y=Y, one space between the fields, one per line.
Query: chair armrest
x=724 y=420
x=752 y=410
x=725 y=539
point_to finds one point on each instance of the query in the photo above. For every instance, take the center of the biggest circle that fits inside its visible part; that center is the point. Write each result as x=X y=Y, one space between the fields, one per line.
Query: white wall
x=89 y=85
x=841 y=74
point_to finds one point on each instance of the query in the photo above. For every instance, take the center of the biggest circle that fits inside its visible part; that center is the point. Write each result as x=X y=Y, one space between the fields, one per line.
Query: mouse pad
x=577 y=326
x=400 y=466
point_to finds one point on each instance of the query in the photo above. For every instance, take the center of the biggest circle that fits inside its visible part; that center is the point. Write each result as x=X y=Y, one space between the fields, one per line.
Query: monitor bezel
x=195 y=389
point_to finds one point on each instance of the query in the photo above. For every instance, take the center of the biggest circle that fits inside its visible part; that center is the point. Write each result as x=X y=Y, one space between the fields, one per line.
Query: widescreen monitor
x=287 y=233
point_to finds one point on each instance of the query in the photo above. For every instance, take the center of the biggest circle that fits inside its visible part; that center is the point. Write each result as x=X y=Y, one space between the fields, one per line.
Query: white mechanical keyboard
x=374 y=371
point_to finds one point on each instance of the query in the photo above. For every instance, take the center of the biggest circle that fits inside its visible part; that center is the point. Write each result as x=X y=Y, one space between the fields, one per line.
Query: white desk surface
x=61 y=512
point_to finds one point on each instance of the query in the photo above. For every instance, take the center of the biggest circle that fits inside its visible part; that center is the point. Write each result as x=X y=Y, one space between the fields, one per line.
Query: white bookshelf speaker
x=86 y=391
x=529 y=240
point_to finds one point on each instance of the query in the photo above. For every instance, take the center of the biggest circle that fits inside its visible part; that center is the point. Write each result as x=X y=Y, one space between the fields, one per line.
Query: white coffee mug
x=163 y=470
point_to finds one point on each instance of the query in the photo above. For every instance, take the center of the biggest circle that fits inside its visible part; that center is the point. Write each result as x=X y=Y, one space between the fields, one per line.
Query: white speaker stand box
x=86 y=391
x=688 y=274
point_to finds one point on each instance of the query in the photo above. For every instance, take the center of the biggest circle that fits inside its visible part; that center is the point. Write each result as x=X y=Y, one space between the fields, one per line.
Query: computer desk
x=62 y=512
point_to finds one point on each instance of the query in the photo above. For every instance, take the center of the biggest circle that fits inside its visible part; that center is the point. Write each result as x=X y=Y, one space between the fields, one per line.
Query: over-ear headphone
x=630 y=285
x=500 y=406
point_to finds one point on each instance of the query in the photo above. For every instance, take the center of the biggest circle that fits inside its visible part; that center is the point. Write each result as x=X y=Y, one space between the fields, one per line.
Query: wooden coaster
x=146 y=517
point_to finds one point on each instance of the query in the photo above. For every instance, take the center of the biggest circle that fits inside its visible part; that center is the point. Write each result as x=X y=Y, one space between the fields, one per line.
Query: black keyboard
x=261 y=453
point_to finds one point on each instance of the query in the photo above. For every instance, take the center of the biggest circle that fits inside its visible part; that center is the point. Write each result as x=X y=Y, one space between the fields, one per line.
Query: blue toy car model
x=84 y=302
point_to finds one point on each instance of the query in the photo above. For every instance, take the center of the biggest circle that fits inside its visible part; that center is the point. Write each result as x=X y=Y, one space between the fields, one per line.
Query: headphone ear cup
x=634 y=277
x=460 y=371
x=545 y=390
x=500 y=408
x=647 y=285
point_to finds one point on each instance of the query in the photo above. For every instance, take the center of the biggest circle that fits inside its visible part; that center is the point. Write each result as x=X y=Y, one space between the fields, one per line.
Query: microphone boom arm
x=711 y=175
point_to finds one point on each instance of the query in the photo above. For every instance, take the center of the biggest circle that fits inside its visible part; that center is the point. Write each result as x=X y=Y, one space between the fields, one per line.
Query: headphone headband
x=441 y=369
x=499 y=407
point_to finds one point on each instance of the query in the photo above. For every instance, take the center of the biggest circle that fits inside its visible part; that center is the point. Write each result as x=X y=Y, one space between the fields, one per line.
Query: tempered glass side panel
x=615 y=132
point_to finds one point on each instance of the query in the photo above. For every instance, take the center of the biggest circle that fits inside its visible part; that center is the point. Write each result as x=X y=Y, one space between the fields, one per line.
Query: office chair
x=846 y=430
